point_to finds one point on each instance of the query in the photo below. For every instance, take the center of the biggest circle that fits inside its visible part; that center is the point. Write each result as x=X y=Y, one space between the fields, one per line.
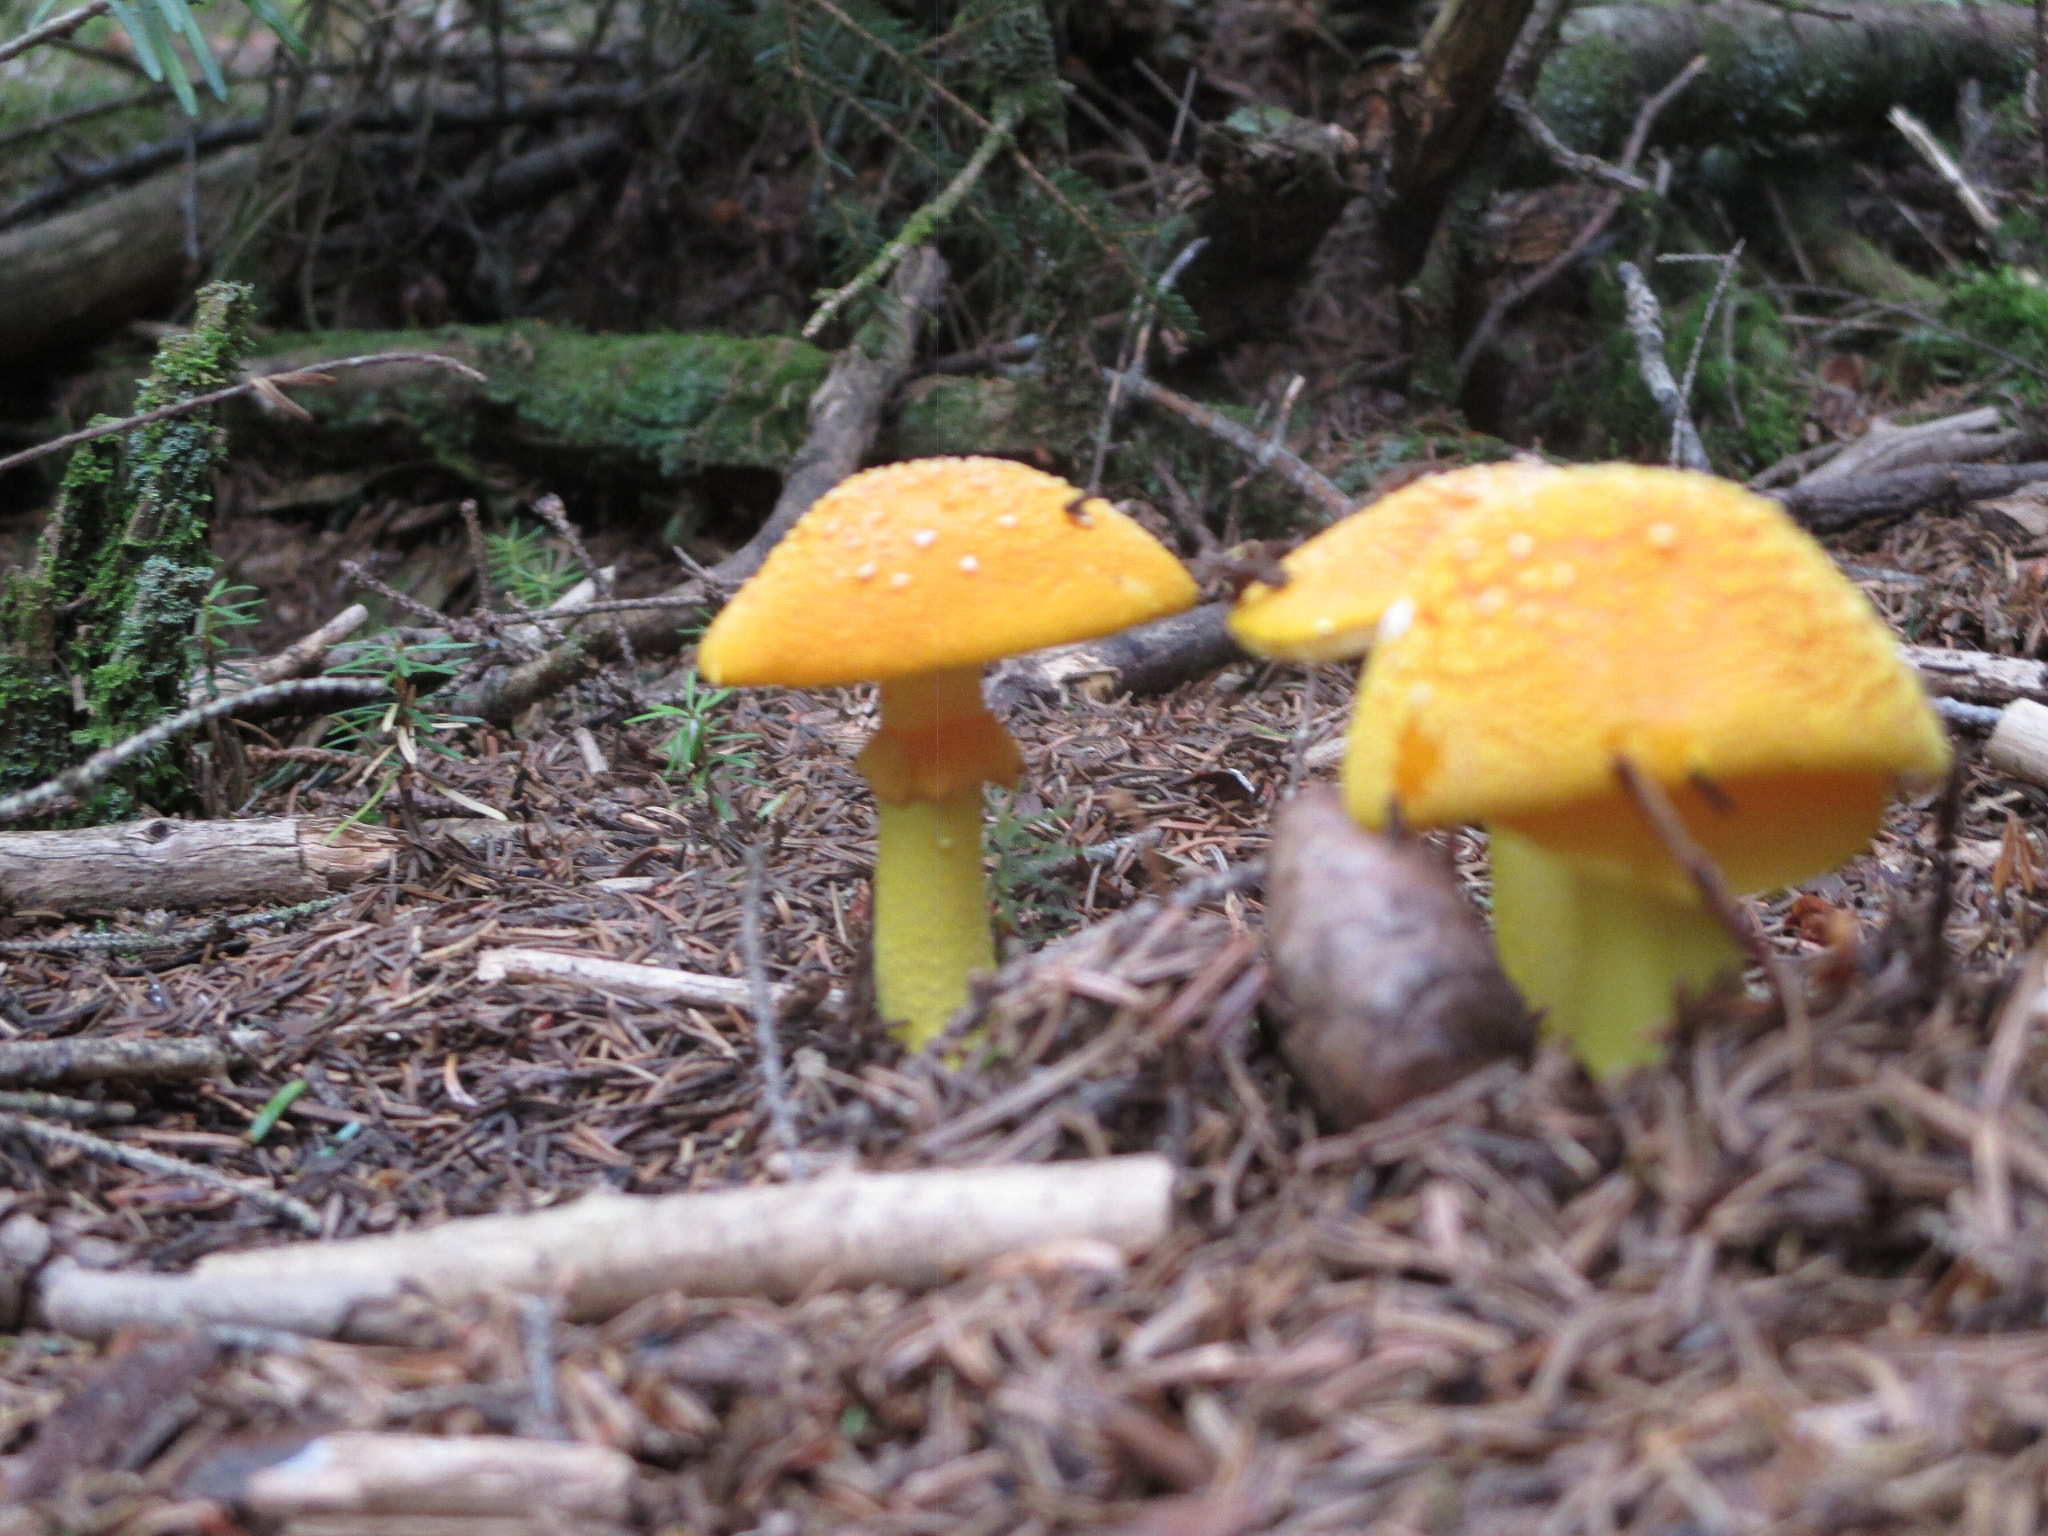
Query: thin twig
x=69 y=784
x=58 y=1106
x=1740 y=922
x=262 y=384
x=1591 y=230
x=1646 y=325
x=1590 y=167
x=1699 y=341
x=551 y=510
x=767 y=1034
x=141 y=1158
x=181 y=937
x=1263 y=452
x=922 y=224
x=54 y=30
x=1132 y=360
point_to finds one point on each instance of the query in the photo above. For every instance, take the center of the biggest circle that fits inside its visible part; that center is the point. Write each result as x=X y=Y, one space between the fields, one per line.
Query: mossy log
x=1773 y=72
x=654 y=407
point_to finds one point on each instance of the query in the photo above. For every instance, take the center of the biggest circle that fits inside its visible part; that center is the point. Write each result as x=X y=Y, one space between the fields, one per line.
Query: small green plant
x=225 y=607
x=702 y=753
x=1033 y=880
x=529 y=565
x=404 y=728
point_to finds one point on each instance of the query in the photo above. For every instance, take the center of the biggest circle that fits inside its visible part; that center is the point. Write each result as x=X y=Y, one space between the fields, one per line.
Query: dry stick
x=693 y=989
x=141 y=1158
x=1646 y=325
x=1929 y=147
x=846 y=412
x=607 y=1251
x=767 y=1037
x=38 y=1063
x=69 y=784
x=1699 y=342
x=54 y=30
x=265 y=384
x=57 y=1106
x=2016 y=1020
x=1264 y=453
x=306 y=654
x=1590 y=167
x=1593 y=228
x=1741 y=924
x=1132 y=360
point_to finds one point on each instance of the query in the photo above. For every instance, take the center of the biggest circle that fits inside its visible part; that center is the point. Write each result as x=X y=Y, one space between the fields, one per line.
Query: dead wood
x=186 y=864
x=1977 y=677
x=91 y=1059
x=1772 y=72
x=1384 y=979
x=605 y=1252
x=543 y=1482
x=1152 y=658
x=1871 y=501
x=690 y=988
x=71 y=277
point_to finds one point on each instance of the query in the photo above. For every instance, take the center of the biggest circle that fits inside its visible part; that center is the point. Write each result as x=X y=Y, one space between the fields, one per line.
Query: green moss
x=1611 y=414
x=96 y=638
x=2006 y=310
x=664 y=401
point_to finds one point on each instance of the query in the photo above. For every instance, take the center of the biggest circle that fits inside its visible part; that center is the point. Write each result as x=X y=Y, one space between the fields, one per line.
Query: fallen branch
x=1150 y=659
x=1833 y=506
x=186 y=936
x=187 y=864
x=607 y=1251
x=306 y=655
x=154 y=1058
x=1639 y=137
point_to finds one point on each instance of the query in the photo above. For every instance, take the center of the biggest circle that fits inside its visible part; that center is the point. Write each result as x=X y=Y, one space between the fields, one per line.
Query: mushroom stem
x=1603 y=957
x=936 y=746
x=931 y=912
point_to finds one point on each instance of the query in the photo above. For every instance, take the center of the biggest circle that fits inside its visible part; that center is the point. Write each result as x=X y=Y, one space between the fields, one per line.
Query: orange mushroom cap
x=1669 y=618
x=939 y=563
x=1340 y=582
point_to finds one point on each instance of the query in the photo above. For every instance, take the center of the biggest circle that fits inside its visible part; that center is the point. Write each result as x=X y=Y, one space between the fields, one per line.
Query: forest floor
x=1738 y=1292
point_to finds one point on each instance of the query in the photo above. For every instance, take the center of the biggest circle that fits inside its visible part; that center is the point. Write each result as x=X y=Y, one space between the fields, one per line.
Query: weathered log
x=1871 y=501
x=1152 y=658
x=542 y=1485
x=188 y=864
x=94 y=1059
x=70 y=278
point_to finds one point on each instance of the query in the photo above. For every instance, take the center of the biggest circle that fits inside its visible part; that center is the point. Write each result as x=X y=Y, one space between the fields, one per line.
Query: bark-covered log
x=186 y=864
x=1773 y=72
x=70 y=278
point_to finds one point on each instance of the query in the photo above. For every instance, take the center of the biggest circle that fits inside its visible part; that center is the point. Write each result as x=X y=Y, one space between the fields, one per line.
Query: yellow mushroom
x=1340 y=582
x=914 y=575
x=1670 y=620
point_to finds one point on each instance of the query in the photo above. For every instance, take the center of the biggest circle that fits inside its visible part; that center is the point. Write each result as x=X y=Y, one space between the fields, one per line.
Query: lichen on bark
x=97 y=636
